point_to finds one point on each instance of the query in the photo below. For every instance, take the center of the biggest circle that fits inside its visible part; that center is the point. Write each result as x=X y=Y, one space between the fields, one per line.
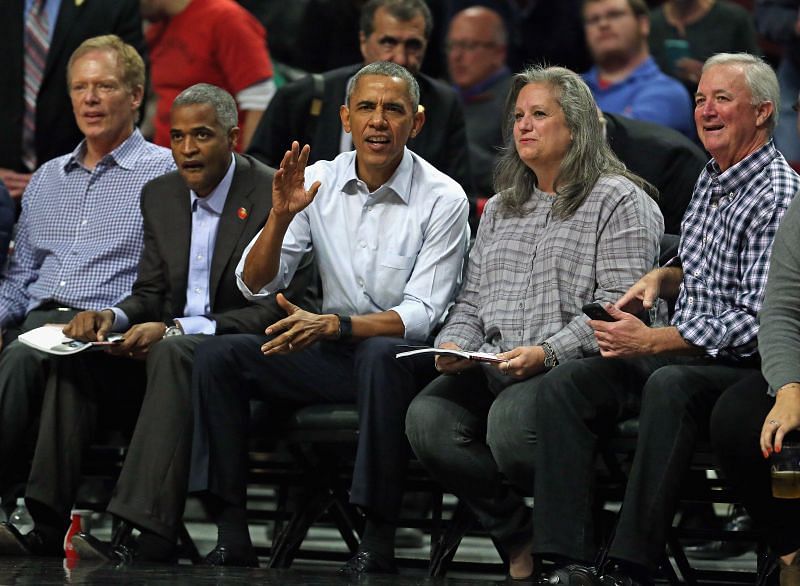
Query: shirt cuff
x=121 y=321
x=415 y=320
x=197 y=324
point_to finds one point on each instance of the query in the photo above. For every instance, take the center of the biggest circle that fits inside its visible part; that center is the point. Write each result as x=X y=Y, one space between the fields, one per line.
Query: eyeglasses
x=468 y=46
x=611 y=16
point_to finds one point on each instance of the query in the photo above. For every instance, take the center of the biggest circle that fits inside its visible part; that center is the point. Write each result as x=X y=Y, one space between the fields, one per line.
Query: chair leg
x=287 y=543
x=186 y=544
x=445 y=549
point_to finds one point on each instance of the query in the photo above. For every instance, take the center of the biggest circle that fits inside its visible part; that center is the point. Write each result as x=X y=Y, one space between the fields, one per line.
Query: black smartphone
x=597 y=311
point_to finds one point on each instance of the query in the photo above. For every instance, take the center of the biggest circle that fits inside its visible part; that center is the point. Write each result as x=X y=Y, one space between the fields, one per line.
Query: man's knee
x=431 y=424
x=670 y=389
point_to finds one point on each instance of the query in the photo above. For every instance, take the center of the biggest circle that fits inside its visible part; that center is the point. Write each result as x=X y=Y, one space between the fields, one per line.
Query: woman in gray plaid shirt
x=570 y=225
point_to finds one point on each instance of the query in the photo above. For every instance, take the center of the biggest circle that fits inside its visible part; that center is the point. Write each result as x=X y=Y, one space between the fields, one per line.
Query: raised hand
x=289 y=194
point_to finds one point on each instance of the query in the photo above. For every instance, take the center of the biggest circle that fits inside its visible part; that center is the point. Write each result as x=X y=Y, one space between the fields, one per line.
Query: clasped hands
x=94 y=326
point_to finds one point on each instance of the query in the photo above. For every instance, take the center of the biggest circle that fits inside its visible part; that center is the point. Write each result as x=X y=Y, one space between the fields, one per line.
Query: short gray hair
x=760 y=78
x=204 y=93
x=387 y=69
x=588 y=156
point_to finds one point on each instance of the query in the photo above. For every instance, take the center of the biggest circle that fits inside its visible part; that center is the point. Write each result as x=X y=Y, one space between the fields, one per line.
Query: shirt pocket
x=390 y=279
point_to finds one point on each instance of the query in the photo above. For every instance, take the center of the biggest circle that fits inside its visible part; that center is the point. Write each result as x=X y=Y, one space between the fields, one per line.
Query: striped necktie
x=36 y=45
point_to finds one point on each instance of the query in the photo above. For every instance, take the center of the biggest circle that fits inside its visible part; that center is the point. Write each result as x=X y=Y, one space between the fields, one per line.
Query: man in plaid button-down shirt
x=677 y=371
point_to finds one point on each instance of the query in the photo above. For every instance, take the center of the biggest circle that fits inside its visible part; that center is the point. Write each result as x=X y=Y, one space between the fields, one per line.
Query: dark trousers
x=23 y=373
x=151 y=489
x=231 y=370
x=578 y=404
x=469 y=440
x=78 y=390
x=735 y=430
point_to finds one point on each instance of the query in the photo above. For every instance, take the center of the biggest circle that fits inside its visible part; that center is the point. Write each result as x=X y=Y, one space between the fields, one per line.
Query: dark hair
x=639 y=7
x=587 y=159
x=403 y=10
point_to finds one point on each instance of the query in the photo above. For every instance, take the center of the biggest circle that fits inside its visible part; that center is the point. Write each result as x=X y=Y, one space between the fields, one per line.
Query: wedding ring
x=130 y=354
x=774 y=422
x=290 y=346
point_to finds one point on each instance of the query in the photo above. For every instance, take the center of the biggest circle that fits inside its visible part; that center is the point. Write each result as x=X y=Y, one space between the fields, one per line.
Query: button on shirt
x=79 y=237
x=529 y=275
x=646 y=94
x=206 y=213
x=398 y=248
x=727 y=235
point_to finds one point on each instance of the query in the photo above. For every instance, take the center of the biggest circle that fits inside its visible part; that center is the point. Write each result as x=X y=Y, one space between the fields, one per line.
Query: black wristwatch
x=345 y=327
x=550 y=360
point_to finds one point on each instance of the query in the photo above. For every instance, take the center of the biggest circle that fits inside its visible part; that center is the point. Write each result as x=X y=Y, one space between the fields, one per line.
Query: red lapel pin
x=242 y=213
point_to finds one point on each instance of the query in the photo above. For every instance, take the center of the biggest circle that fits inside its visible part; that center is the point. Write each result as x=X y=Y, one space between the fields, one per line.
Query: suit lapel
x=178 y=211
x=231 y=224
x=68 y=15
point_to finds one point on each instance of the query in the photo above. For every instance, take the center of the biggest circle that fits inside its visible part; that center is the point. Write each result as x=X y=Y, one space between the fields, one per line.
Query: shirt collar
x=125 y=155
x=215 y=200
x=399 y=182
x=645 y=69
x=739 y=175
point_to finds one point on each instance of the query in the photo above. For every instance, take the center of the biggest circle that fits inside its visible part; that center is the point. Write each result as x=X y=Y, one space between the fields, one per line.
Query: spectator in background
x=539 y=31
x=476 y=59
x=208 y=41
x=79 y=238
x=37 y=122
x=684 y=33
x=625 y=79
x=779 y=21
x=308 y=109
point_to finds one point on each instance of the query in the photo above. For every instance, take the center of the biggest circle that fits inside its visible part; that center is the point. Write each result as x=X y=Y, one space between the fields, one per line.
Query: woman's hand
x=522 y=362
x=782 y=418
x=451 y=364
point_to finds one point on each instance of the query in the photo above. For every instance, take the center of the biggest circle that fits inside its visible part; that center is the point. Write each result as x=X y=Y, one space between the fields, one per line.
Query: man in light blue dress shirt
x=389 y=233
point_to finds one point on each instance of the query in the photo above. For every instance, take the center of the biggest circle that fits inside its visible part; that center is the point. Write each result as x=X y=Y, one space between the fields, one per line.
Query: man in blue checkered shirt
x=79 y=237
x=674 y=372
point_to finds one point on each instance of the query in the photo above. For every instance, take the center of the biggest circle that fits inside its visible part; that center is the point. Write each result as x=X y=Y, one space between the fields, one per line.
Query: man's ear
x=763 y=112
x=362 y=40
x=138 y=95
x=233 y=136
x=419 y=121
x=344 y=115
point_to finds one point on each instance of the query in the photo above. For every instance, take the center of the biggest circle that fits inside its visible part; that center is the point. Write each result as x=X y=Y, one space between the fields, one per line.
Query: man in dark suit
x=197 y=222
x=55 y=130
x=308 y=110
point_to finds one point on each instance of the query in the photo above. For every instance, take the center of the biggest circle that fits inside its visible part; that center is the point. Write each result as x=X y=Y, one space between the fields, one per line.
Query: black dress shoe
x=368 y=562
x=720 y=550
x=12 y=542
x=223 y=556
x=89 y=547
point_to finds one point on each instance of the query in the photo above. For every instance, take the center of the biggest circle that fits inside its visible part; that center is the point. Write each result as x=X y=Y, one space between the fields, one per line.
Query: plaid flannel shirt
x=726 y=242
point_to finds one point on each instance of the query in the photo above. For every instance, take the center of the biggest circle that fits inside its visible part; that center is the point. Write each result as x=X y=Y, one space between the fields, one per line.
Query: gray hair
x=403 y=10
x=387 y=69
x=204 y=93
x=760 y=78
x=588 y=156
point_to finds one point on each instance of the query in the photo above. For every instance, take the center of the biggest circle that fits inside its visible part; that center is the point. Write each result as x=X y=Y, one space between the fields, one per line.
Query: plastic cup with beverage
x=785 y=471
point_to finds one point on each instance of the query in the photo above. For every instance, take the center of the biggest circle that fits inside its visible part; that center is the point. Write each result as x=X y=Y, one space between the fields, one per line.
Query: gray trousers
x=468 y=439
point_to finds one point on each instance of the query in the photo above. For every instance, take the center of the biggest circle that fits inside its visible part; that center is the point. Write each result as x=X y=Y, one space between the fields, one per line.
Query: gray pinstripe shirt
x=529 y=276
